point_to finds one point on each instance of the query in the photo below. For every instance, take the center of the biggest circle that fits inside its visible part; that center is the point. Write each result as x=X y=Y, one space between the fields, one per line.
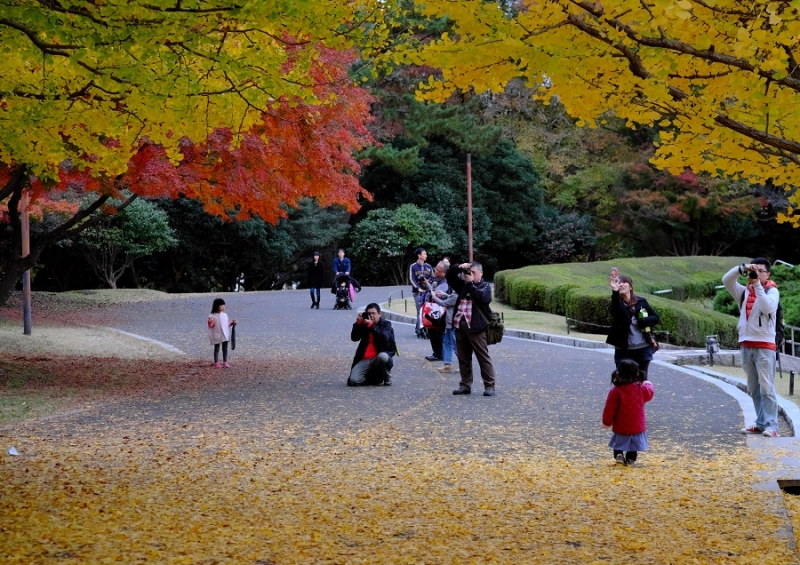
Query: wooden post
x=469 y=204
x=25 y=229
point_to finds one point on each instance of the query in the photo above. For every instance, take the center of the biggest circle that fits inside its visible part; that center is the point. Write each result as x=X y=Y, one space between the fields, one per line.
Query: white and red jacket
x=759 y=325
x=219 y=328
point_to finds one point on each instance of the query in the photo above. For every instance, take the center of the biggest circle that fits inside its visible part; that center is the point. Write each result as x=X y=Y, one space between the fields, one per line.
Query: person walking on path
x=631 y=320
x=473 y=293
x=219 y=329
x=420 y=274
x=624 y=411
x=316 y=278
x=373 y=361
x=758 y=304
x=341 y=267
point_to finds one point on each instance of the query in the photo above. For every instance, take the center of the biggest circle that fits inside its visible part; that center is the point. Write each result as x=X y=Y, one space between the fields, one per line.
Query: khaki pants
x=467 y=343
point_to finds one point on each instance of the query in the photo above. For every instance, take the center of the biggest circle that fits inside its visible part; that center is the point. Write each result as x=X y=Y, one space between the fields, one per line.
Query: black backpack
x=780 y=330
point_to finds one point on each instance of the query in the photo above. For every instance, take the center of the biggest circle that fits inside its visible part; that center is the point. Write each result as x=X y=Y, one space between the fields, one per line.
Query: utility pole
x=469 y=204
x=25 y=229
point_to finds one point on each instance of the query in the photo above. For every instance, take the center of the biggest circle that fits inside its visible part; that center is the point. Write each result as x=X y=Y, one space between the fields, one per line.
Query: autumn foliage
x=297 y=150
x=719 y=79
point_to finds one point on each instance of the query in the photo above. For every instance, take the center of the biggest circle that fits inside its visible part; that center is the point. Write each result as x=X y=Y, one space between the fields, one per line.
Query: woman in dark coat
x=632 y=320
x=316 y=279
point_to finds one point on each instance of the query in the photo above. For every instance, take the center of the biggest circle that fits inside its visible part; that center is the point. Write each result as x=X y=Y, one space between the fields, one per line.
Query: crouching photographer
x=373 y=361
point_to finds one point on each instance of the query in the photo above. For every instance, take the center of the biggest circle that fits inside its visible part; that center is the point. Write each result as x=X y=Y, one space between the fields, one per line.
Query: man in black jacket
x=373 y=361
x=470 y=320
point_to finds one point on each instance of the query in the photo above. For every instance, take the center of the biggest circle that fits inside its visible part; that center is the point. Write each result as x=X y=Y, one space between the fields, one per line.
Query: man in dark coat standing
x=470 y=320
x=373 y=360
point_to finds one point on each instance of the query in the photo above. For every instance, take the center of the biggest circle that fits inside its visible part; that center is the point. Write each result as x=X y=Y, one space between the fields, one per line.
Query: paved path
x=547 y=394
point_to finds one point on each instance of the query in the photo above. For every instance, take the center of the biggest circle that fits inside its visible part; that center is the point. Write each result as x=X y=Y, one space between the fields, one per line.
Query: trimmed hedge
x=572 y=290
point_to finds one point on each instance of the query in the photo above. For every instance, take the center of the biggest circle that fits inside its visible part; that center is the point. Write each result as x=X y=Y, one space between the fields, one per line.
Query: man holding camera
x=373 y=362
x=758 y=305
x=470 y=321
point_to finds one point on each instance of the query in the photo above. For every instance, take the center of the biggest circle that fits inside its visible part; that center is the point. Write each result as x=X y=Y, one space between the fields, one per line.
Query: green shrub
x=579 y=291
x=725 y=304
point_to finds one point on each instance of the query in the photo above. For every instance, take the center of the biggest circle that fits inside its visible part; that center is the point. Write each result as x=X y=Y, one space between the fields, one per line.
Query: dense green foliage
x=112 y=246
x=580 y=291
x=385 y=238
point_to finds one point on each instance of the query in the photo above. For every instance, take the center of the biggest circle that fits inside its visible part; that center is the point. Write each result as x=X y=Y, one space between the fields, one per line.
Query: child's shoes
x=620 y=459
x=218 y=365
x=226 y=365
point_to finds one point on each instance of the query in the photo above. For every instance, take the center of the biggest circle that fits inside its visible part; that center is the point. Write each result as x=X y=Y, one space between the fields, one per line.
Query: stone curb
x=786 y=408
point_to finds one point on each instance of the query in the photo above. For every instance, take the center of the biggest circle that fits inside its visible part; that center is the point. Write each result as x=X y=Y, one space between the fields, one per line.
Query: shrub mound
x=580 y=291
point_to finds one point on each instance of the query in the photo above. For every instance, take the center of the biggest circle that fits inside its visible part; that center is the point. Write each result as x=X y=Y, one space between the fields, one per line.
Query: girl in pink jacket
x=624 y=411
x=219 y=329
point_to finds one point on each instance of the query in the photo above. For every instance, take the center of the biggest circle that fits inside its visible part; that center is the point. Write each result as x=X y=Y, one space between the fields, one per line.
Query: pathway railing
x=792 y=344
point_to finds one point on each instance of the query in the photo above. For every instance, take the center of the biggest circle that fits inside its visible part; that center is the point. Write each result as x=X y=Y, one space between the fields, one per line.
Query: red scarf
x=751 y=296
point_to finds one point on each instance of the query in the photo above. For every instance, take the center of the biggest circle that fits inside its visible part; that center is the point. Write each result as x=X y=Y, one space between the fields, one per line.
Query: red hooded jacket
x=624 y=410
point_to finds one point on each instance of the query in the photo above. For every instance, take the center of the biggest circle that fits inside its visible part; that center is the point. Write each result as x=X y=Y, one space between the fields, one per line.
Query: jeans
x=759 y=366
x=448 y=345
x=642 y=357
x=311 y=291
x=371 y=371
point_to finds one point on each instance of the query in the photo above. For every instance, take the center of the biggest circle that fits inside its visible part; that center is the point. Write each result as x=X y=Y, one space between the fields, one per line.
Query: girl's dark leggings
x=224 y=352
x=631 y=456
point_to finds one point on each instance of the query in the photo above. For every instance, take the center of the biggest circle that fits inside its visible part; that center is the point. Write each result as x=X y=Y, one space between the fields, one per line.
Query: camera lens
x=752 y=275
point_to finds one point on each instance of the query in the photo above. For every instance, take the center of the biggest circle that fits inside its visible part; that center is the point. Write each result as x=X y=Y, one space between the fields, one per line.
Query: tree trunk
x=15 y=265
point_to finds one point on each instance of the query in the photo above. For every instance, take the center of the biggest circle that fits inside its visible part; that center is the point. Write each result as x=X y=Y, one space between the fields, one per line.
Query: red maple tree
x=298 y=150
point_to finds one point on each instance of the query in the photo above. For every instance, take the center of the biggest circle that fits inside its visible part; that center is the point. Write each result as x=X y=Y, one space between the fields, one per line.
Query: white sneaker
x=769 y=432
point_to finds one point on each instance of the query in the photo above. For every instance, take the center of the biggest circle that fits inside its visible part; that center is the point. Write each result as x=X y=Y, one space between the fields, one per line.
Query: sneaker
x=769 y=432
x=752 y=430
x=460 y=391
x=433 y=358
x=488 y=392
x=226 y=365
x=446 y=369
x=620 y=459
x=630 y=462
x=218 y=365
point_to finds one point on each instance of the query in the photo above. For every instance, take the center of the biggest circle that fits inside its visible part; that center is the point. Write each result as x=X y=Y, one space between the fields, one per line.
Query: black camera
x=466 y=271
x=753 y=275
x=365 y=315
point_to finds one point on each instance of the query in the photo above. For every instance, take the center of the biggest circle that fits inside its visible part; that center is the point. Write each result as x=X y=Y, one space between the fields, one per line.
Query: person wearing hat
x=316 y=278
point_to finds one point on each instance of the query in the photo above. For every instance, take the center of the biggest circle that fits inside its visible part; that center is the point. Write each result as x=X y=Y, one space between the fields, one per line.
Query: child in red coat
x=624 y=411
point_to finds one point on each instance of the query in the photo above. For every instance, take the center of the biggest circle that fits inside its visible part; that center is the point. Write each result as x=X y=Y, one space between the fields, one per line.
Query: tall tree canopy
x=719 y=78
x=252 y=101
x=83 y=79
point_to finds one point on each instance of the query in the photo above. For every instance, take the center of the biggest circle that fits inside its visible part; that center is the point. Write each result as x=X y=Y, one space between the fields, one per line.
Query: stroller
x=342 y=293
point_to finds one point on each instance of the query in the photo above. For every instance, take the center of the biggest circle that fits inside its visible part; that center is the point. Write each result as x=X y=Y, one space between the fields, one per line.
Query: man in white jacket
x=758 y=304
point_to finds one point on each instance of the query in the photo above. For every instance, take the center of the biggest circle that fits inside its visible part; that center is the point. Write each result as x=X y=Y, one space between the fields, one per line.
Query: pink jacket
x=624 y=410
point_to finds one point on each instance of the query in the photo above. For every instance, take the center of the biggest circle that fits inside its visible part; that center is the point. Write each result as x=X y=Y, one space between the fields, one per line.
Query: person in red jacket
x=624 y=411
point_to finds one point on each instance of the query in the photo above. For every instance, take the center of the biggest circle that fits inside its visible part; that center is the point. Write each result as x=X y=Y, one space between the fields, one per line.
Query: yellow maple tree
x=719 y=78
